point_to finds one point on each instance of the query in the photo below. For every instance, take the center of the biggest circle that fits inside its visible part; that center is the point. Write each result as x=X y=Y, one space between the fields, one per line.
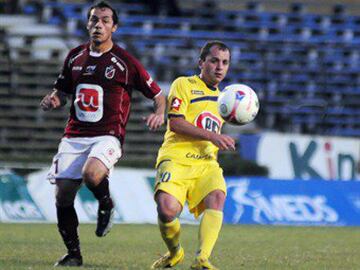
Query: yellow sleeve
x=178 y=98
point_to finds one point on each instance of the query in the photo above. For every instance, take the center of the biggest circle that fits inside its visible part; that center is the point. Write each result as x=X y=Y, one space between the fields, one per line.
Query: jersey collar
x=98 y=54
x=208 y=86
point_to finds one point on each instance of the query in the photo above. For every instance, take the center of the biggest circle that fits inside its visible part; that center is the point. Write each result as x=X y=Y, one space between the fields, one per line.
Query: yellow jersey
x=192 y=99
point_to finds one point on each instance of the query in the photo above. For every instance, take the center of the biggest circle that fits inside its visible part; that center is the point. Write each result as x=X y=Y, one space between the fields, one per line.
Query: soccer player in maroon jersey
x=100 y=77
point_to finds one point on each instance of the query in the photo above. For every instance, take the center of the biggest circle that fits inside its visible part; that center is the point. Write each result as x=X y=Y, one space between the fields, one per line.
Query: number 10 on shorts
x=165 y=177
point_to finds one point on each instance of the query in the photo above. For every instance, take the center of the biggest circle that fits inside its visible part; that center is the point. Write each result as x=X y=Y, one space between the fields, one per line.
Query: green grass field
x=38 y=246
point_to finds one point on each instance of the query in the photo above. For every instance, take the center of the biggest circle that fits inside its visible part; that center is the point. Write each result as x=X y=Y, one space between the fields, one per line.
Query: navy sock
x=67 y=225
x=102 y=193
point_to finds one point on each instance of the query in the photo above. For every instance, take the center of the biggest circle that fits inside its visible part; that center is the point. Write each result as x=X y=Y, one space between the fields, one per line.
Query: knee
x=167 y=207
x=89 y=177
x=215 y=200
x=167 y=213
x=94 y=172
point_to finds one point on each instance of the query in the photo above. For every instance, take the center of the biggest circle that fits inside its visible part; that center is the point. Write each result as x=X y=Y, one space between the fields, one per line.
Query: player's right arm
x=53 y=100
x=62 y=86
x=178 y=106
x=180 y=126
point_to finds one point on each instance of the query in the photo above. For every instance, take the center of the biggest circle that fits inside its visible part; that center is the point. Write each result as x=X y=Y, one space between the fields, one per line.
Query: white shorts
x=73 y=153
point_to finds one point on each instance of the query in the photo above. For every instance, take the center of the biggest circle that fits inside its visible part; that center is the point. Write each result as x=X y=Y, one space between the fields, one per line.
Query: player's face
x=215 y=66
x=101 y=25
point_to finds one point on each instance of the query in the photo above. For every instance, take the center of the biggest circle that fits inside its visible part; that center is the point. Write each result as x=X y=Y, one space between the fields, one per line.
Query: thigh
x=171 y=178
x=68 y=162
x=210 y=178
x=107 y=149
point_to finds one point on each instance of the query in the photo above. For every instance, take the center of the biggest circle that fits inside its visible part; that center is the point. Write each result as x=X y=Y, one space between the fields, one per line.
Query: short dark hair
x=205 y=50
x=104 y=4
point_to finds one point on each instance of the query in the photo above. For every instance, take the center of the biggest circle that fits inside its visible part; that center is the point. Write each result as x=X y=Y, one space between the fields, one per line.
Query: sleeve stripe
x=158 y=94
x=210 y=98
x=175 y=115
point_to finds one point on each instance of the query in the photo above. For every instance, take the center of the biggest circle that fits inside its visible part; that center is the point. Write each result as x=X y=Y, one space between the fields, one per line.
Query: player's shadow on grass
x=39 y=263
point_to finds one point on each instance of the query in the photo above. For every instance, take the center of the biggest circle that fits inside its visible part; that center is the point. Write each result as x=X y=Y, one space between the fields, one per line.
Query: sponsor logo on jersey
x=89 y=106
x=109 y=72
x=90 y=70
x=77 y=68
x=197 y=156
x=88 y=100
x=175 y=103
x=197 y=92
x=208 y=121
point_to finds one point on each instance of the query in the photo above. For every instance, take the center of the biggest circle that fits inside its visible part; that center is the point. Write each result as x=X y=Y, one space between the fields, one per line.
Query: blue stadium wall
x=250 y=200
x=314 y=181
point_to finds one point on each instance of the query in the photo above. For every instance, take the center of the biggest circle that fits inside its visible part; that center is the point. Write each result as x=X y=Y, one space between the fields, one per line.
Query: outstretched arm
x=156 y=119
x=181 y=126
x=54 y=100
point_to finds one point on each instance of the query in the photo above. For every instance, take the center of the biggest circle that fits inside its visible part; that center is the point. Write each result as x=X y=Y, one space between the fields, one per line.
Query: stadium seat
x=290 y=57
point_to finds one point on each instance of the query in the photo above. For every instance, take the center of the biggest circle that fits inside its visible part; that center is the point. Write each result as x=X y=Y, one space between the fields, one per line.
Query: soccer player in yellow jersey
x=187 y=167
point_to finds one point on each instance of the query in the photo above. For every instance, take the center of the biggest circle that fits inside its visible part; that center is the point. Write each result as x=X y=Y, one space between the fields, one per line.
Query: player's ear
x=114 y=28
x=200 y=63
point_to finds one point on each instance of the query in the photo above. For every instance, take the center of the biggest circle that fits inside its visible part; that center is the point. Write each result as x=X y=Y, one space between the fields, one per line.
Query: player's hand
x=224 y=142
x=49 y=102
x=154 y=121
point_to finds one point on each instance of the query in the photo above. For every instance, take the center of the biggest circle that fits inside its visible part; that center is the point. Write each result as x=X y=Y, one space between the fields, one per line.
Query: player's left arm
x=156 y=119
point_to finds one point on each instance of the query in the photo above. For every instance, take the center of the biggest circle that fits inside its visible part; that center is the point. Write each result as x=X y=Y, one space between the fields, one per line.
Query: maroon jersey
x=101 y=87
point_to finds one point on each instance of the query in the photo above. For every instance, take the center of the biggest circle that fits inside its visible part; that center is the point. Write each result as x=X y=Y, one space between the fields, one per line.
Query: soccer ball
x=238 y=104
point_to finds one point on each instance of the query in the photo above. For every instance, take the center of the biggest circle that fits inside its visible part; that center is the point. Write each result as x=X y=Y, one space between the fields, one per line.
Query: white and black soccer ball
x=238 y=104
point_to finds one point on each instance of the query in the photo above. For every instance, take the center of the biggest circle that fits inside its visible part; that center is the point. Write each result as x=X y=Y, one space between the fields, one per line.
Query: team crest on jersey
x=175 y=103
x=208 y=121
x=109 y=72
